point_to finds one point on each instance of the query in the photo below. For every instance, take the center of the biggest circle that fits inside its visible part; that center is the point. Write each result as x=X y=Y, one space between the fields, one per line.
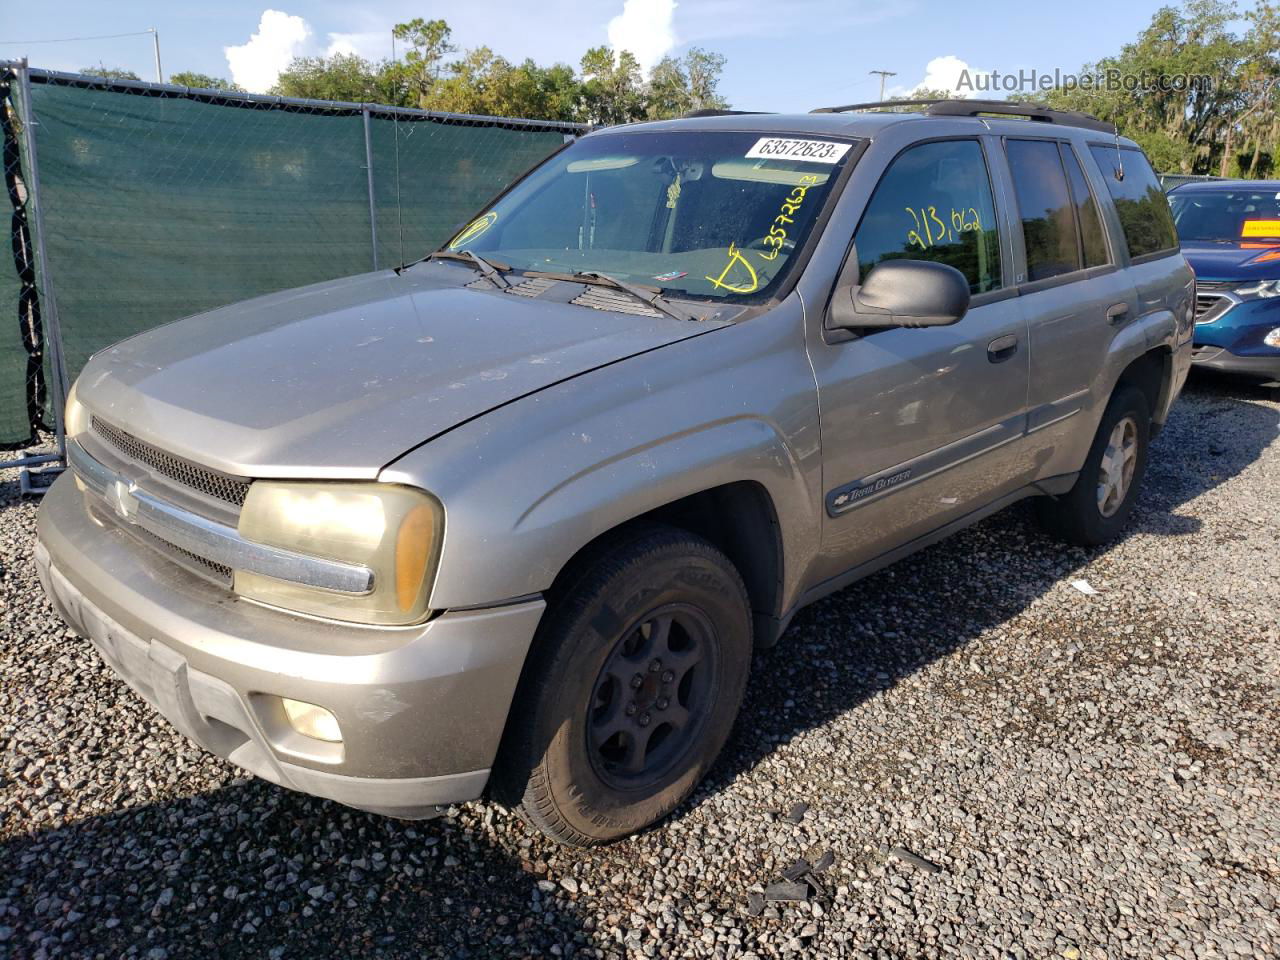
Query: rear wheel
x=1097 y=508
x=635 y=682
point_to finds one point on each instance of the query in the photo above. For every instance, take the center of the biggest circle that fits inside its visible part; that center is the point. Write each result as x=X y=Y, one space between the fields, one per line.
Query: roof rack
x=975 y=108
x=711 y=112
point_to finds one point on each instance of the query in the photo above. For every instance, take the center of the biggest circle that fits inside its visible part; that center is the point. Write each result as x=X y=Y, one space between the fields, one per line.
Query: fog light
x=1272 y=339
x=312 y=721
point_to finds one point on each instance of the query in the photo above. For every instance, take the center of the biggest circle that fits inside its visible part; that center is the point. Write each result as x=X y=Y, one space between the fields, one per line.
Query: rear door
x=921 y=426
x=1072 y=293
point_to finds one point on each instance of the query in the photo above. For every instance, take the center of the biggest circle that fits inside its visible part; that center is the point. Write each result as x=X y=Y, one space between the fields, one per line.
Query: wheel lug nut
x=631 y=709
x=668 y=677
x=655 y=666
x=636 y=681
x=644 y=720
x=662 y=703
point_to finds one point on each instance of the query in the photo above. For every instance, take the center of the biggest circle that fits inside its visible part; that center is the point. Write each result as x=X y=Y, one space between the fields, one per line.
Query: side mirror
x=902 y=293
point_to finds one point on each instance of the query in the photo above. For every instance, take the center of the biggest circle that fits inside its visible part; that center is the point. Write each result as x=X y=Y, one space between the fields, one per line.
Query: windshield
x=707 y=215
x=1227 y=215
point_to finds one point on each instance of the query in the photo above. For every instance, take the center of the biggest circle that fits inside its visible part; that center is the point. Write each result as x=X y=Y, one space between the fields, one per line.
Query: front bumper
x=1262 y=367
x=1233 y=341
x=421 y=709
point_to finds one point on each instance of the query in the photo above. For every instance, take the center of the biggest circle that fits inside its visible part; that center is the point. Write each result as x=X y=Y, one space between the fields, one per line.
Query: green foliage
x=339 y=77
x=202 y=81
x=610 y=87
x=111 y=73
x=1230 y=126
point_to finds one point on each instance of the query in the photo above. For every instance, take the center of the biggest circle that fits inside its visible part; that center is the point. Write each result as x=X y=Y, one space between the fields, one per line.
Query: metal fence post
x=48 y=301
x=368 y=166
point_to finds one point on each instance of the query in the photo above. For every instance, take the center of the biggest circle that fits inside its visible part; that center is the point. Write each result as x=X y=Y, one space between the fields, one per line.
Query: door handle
x=1117 y=313
x=1002 y=348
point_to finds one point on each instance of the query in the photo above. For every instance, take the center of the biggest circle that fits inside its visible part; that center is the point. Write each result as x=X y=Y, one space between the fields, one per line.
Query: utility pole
x=155 y=38
x=884 y=75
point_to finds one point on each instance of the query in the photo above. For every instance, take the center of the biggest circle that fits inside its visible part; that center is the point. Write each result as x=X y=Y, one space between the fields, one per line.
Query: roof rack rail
x=712 y=112
x=975 y=108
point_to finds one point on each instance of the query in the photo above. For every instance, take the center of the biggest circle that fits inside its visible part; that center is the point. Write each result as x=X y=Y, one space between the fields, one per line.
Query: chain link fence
x=154 y=202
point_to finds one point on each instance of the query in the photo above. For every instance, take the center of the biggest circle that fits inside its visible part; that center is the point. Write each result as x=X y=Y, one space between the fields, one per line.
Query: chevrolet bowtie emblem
x=120 y=495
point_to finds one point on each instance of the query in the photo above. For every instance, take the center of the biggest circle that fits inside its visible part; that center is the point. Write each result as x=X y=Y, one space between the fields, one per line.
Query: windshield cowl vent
x=615 y=301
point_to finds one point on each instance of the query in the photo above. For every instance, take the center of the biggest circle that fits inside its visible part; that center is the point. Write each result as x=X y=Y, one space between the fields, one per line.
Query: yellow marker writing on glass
x=473 y=230
x=736 y=259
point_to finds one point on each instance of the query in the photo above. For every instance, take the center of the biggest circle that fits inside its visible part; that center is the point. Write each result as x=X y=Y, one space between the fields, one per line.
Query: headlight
x=75 y=417
x=395 y=531
x=1272 y=339
x=1261 y=289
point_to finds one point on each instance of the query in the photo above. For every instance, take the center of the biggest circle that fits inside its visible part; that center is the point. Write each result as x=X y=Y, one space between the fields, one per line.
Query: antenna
x=395 y=127
x=884 y=75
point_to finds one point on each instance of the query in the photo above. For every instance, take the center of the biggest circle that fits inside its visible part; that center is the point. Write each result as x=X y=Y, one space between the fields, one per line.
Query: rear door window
x=934 y=203
x=1140 y=203
x=1046 y=207
x=1092 y=240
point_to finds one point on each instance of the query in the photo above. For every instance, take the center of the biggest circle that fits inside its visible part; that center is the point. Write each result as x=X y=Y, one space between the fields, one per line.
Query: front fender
x=527 y=486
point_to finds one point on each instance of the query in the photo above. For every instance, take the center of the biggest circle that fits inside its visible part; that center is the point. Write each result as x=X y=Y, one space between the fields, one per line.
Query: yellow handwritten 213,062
x=931 y=229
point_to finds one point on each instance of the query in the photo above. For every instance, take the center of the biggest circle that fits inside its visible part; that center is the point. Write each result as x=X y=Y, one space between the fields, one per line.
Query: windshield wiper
x=647 y=295
x=492 y=269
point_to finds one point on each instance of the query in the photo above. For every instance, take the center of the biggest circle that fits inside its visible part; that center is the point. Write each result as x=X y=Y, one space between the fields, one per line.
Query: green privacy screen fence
x=160 y=201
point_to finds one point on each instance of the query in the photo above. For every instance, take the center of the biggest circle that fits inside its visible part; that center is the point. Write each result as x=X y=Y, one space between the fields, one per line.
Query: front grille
x=1210 y=306
x=217 y=572
x=232 y=490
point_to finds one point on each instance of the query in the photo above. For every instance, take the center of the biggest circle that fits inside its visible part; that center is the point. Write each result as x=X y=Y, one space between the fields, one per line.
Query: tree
x=415 y=75
x=611 y=87
x=111 y=73
x=1198 y=128
x=343 y=76
x=679 y=85
x=202 y=81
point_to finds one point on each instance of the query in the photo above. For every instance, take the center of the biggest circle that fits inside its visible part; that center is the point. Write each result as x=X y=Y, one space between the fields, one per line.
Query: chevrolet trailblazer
x=510 y=520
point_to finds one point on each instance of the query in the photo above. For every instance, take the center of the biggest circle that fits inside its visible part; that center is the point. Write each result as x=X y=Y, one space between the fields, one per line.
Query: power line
x=105 y=36
x=885 y=76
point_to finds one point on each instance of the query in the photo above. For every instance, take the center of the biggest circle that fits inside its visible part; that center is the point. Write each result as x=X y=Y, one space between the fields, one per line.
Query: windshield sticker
x=810 y=151
x=749 y=284
x=1260 y=228
x=673 y=275
x=777 y=237
x=931 y=229
x=473 y=230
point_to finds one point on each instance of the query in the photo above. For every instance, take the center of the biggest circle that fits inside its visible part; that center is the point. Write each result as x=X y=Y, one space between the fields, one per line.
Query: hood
x=1231 y=260
x=338 y=379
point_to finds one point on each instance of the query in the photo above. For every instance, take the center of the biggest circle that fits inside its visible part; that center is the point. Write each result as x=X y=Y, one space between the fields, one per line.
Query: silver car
x=511 y=520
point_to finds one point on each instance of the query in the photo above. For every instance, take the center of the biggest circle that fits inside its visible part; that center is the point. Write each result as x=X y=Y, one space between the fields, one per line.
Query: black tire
x=1078 y=516
x=559 y=764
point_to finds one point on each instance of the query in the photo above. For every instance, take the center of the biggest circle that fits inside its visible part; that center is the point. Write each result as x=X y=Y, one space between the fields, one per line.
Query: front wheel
x=633 y=687
x=1097 y=508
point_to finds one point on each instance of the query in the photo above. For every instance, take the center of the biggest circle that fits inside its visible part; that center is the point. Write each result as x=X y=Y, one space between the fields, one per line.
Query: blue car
x=1230 y=234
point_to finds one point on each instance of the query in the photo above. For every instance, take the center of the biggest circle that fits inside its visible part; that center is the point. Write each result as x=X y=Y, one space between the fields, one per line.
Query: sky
x=781 y=56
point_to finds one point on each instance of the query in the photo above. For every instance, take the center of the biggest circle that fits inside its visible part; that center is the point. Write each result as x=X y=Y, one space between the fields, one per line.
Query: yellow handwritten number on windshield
x=473 y=230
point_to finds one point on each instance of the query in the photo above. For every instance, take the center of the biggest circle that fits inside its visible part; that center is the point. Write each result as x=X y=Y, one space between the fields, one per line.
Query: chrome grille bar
x=216 y=542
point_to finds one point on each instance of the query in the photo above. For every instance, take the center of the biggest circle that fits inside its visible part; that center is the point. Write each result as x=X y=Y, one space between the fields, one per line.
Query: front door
x=922 y=426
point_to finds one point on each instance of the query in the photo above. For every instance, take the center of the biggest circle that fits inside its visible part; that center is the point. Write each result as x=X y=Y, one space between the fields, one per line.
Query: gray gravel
x=1095 y=775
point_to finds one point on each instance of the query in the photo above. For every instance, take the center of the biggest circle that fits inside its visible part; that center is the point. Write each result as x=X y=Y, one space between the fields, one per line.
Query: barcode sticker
x=811 y=151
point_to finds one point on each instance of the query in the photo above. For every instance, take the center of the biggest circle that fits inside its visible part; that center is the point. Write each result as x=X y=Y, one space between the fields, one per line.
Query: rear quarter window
x=1141 y=204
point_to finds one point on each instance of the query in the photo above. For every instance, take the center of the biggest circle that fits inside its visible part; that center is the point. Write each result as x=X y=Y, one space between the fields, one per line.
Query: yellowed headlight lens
x=393 y=530
x=75 y=417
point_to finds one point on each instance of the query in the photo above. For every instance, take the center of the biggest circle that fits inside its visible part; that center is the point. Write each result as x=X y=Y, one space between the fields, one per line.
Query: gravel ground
x=1081 y=775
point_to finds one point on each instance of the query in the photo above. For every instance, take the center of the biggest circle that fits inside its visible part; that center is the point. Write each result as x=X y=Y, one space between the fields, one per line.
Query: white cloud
x=255 y=65
x=944 y=73
x=644 y=28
